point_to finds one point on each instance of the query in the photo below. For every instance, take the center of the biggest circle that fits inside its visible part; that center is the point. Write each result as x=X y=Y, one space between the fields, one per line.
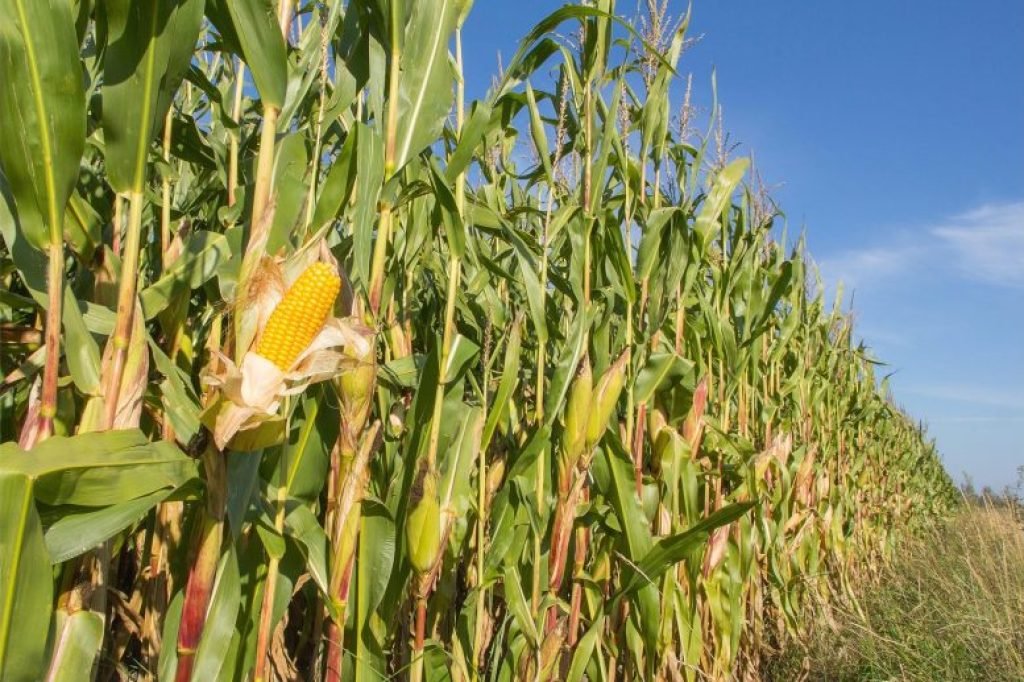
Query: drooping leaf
x=80 y=529
x=98 y=469
x=660 y=368
x=670 y=550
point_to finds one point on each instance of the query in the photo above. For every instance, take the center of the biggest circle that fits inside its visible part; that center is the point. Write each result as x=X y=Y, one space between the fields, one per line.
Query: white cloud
x=988 y=243
x=985 y=244
x=861 y=266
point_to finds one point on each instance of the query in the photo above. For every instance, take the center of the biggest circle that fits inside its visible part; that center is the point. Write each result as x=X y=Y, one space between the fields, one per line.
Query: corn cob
x=300 y=315
x=423 y=527
x=603 y=400
x=577 y=412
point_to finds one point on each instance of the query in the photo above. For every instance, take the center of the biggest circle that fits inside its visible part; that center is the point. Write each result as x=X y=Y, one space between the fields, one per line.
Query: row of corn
x=313 y=370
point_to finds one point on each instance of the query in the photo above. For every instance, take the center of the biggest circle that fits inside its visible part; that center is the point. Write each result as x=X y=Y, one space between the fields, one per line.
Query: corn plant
x=314 y=369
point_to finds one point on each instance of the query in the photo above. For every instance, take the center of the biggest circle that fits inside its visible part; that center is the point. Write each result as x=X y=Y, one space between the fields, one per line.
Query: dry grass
x=950 y=607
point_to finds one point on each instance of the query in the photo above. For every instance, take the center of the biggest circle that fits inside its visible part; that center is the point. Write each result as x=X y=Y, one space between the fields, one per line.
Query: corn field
x=315 y=370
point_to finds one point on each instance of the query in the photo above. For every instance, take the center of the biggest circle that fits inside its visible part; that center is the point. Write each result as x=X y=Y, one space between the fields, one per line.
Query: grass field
x=949 y=607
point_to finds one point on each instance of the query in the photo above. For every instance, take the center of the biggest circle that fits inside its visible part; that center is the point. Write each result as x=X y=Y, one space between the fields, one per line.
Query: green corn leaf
x=531 y=281
x=462 y=353
x=537 y=132
x=377 y=549
x=454 y=229
x=215 y=645
x=669 y=551
x=98 y=469
x=77 y=646
x=651 y=241
x=337 y=186
x=660 y=368
x=181 y=406
x=168 y=661
x=148 y=53
x=718 y=200
x=370 y=162
x=519 y=607
x=78 y=530
x=302 y=526
x=26 y=588
x=81 y=351
x=424 y=90
x=309 y=455
x=42 y=106
x=584 y=652
x=638 y=539
x=460 y=458
x=263 y=48
x=509 y=380
x=474 y=130
x=203 y=254
x=565 y=367
x=291 y=165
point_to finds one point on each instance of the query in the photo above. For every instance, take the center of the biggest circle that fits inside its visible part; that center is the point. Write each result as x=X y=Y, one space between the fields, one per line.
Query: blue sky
x=893 y=133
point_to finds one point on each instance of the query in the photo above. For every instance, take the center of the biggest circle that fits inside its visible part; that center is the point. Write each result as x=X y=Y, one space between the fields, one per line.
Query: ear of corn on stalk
x=603 y=401
x=423 y=526
x=300 y=315
x=576 y=414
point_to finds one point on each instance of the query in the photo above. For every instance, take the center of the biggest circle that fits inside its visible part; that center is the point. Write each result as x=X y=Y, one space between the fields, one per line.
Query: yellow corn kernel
x=300 y=315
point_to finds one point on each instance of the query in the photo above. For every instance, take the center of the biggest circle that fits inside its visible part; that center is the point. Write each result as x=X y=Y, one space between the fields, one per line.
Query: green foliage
x=579 y=412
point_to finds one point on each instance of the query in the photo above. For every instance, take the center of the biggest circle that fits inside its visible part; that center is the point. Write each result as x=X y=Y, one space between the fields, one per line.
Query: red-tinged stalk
x=587 y=414
x=561 y=533
x=203 y=570
x=43 y=428
x=347 y=518
x=580 y=559
x=424 y=585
